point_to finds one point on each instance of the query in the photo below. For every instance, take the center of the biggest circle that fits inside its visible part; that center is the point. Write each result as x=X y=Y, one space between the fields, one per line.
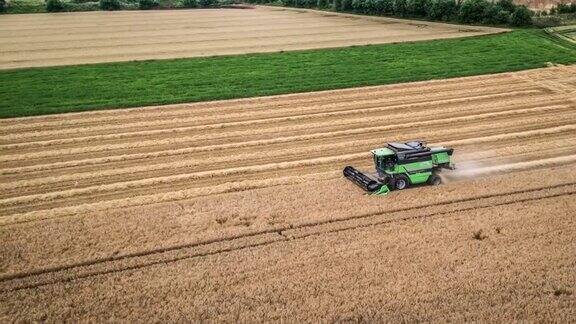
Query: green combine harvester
x=400 y=165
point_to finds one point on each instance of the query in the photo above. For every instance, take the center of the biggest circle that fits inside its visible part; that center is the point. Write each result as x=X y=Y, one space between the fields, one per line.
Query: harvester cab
x=400 y=165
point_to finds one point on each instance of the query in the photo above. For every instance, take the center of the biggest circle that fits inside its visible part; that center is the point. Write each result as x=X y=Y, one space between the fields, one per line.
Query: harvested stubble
x=93 y=37
x=258 y=194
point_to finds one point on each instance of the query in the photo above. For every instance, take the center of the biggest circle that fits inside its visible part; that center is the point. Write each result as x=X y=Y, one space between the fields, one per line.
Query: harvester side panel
x=440 y=158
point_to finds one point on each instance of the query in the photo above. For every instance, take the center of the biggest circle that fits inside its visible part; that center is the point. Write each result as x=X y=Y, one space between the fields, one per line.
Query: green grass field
x=38 y=91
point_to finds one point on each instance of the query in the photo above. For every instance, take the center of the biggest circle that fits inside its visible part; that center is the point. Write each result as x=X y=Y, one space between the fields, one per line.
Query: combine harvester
x=399 y=165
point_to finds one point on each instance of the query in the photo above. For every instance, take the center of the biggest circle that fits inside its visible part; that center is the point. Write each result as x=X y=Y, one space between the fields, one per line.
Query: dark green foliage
x=442 y=9
x=110 y=4
x=26 y=92
x=190 y=3
x=345 y=5
x=147 y=4
x=502 y=17
x=417 y=8
x=359 y=6
x=473 y=11
x=495 y=15
x=376 y=7
x=368 y=7
x=498 y=12
x=305 y=3
x=399 y=8
x=24 y=6
x=384 y=7
x=82 y=6
x=207 y=3
x=54 y=6
x=507 y=5
x=521 y=16
x=564 y=8
x=2 y=6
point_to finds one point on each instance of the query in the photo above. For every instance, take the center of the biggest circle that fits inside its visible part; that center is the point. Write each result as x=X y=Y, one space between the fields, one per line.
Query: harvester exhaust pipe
x=361 y=180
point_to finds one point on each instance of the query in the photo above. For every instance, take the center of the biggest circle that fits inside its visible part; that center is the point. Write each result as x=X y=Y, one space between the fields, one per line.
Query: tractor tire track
x=163 y=255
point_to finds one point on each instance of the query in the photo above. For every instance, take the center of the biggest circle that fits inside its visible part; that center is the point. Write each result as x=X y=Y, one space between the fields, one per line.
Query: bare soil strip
x=93 y=37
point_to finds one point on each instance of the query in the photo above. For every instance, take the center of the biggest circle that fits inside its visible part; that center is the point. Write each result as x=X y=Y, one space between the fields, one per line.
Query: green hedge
x=563 y=8
x=36 y=6
x=54 y=5
x=110 y=5
x=501 y=12
x=148 y=4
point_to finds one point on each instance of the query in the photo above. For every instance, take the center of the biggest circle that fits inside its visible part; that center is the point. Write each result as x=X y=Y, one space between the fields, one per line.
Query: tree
x=190 y=3
x=416 y=8
x=336 y=5
x=399 y=7
x=522 y=16
x=442 y=9
x=109 y=4
x=147 y=4
x=54 y=6
x=472 y=11
x=507 y=5
x=495 y=15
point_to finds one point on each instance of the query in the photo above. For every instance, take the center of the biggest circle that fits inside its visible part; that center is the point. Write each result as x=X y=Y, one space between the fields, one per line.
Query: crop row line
x=255 y=116
x=310 y=120
x=259 y=142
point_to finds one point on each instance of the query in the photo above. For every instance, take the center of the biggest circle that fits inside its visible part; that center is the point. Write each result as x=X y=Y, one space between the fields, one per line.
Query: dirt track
x=238 y=209
x=92 y=37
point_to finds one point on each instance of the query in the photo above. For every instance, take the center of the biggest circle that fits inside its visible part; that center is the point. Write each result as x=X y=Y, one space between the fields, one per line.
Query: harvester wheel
x=434 y=180
x=401 y=182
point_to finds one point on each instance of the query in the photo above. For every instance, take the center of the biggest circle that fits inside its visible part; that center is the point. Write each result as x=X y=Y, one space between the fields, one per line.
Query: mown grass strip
x=40 y=91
